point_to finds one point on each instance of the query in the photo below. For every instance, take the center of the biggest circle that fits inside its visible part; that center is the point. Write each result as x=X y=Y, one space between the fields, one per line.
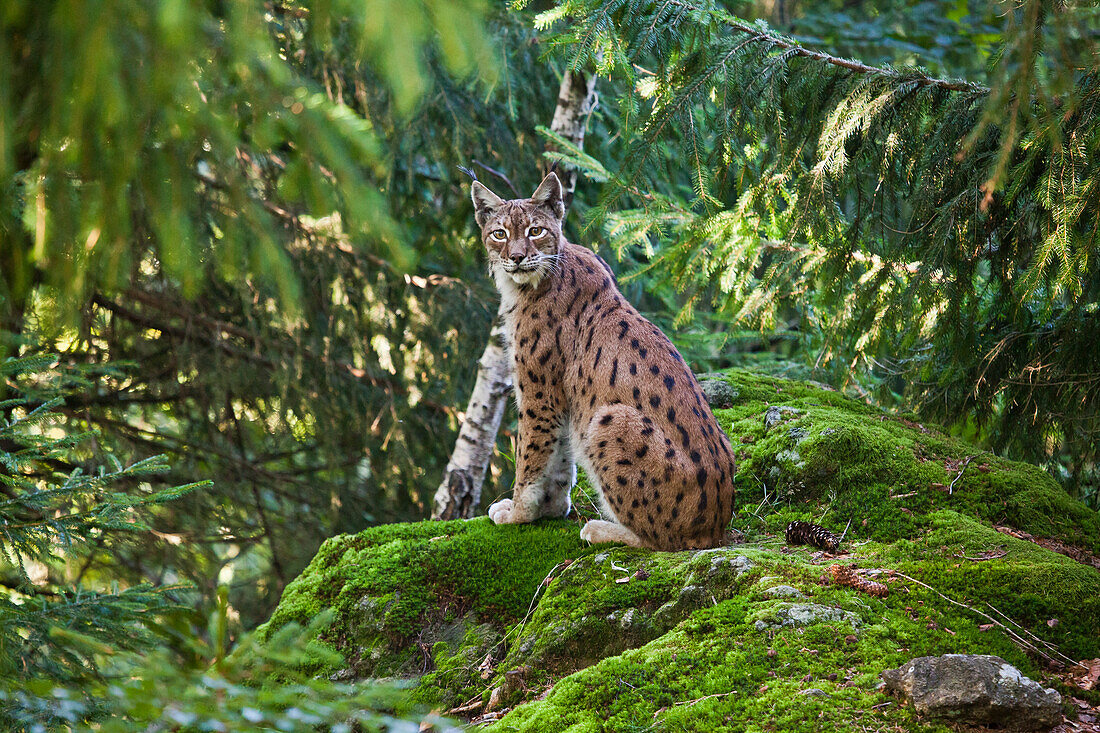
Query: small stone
x=691 y=598
x=496 y=697
x=772 y=654
x=804 y=614
x=784 y=591
x=342 y=675
x=975 y=689
x=813 y=691
x=717 y=391
x=777 y=414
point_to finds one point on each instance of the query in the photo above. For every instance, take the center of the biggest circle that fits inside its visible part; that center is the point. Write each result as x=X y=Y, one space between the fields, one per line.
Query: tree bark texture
x=459 y=494
x=576 y=99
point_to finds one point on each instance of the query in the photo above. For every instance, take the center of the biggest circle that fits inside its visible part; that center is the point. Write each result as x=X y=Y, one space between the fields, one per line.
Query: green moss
x=722 y=670
x=457 y=675
x=619 y=598
x=837 y=452
x=626 y=639
x=388 y=583
x=716 y=672
x=1029 y=584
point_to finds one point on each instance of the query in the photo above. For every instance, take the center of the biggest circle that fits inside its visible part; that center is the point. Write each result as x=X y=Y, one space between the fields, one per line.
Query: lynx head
x=523 y=236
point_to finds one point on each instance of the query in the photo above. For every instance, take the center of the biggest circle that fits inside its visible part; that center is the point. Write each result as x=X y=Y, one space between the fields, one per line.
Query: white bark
x=576 y=98
x=459 y=494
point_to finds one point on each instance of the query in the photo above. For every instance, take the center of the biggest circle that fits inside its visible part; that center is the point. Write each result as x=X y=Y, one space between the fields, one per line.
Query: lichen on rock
x=556 y=635
x=976 y=689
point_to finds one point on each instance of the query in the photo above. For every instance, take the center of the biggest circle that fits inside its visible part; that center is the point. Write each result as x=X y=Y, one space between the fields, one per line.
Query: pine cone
x=804 y=533
x=843 y=575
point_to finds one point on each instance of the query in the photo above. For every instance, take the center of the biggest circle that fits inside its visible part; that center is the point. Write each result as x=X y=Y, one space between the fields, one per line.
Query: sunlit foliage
x=934 y=237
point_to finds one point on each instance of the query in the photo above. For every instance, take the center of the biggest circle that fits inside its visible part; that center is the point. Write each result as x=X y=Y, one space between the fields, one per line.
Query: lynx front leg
x=536 y=494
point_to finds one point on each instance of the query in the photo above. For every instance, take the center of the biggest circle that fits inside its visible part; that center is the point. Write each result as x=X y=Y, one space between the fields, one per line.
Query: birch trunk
x=459 y=494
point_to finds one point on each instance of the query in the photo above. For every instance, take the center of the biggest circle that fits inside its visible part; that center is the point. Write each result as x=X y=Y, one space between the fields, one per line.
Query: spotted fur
x=598 y=384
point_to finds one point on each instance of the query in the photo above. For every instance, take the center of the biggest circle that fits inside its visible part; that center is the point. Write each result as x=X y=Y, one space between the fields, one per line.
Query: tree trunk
x=576 y=98
x=459 y=494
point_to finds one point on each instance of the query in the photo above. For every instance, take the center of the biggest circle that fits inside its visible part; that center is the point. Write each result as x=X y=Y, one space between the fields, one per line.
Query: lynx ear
x=549 y=196
x=485 y=202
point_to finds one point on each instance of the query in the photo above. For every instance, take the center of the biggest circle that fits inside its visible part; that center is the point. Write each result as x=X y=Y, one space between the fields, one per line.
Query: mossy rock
x=400 y=589
x=753 y=636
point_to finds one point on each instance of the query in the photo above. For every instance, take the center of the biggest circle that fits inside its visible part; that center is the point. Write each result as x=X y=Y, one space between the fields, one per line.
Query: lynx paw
x=597 y=530
x=501 y=511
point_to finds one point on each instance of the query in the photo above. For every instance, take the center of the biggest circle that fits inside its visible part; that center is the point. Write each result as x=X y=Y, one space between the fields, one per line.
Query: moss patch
x=757 y=662
x=885 y=473
x=752 y=636
x=389 y=585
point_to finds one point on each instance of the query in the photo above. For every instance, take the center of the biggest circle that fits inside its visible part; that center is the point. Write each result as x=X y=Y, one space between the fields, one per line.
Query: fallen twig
x=845 y=532
x=692 y=702
x=466 y=708
x=983 y=557
x=545 y=582
x=707 y=697
x=1044 y=642
x=951 y=488
x=1019 y=640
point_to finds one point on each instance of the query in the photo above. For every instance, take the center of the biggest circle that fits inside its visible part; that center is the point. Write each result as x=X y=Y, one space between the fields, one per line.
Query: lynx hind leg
x=597 y=530
x=561 y=475
x=636 y=467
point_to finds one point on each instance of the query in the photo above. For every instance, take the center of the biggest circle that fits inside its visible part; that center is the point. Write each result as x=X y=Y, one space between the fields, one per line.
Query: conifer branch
x=759 y=35
x=212 y=334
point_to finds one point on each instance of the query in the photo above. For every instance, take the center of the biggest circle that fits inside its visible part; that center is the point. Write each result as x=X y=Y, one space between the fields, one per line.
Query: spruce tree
x=317 y=402
x=932 y=239
x=52 y=626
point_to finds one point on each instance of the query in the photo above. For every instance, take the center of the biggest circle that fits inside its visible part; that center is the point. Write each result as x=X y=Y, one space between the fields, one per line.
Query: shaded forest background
x=239 y=237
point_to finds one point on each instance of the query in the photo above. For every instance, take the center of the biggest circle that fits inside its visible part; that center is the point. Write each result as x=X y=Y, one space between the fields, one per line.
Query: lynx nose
x=517 y=257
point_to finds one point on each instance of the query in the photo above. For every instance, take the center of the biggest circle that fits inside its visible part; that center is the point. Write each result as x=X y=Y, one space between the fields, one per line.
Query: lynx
x=598 y=384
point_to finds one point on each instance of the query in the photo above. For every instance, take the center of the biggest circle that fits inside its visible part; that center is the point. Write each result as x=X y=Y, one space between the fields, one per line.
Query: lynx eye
x=498 y=235
x=536 y=232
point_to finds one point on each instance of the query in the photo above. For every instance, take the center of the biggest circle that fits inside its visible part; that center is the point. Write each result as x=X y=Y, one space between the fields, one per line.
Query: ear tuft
x=549 y=195
x=485 y=201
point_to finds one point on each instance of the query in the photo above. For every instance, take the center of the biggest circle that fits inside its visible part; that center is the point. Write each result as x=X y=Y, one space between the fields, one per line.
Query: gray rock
x=975 y=689
x=510 y=684
x=373 y=611
x=717 y=391
x=343 y=675
x=691 y=598
x=631 y=621
x=777 y=414
x=717 y=568
x=784 y=591
x=804 y=614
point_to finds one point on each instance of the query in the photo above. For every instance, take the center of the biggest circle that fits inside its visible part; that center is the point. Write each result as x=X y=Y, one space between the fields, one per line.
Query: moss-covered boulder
x=526 y=628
